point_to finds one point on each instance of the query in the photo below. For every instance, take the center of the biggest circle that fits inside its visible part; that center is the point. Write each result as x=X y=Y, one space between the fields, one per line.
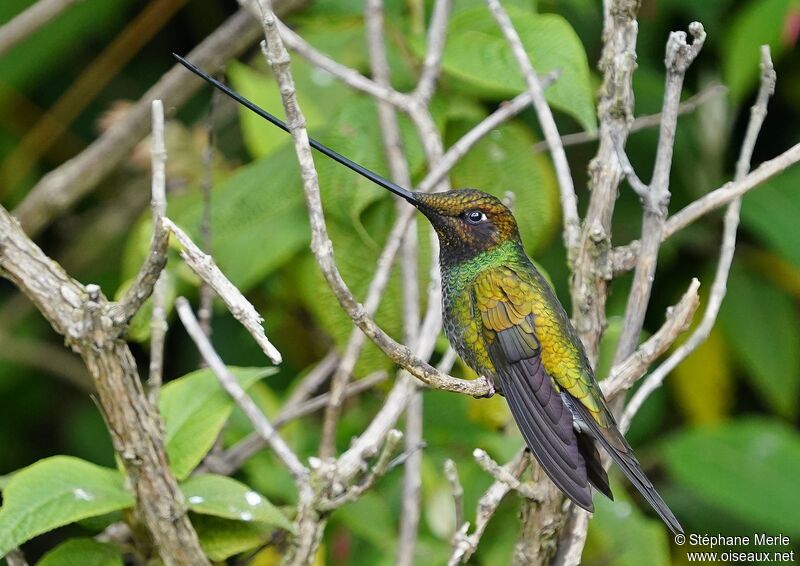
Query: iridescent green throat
x=458 y=274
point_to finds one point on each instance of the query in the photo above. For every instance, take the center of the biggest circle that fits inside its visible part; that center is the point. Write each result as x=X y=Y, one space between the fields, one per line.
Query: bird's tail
x=614 y=443
x=633 y=470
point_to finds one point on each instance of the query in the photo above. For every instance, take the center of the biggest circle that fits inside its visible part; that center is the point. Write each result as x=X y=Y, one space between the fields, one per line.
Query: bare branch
x=260 y=422
x=679 y=317
x=718 y=288
x=158 y=321
x=625 y=256
x=590 y=262
x=148 y=274
x=569 y=205
x=321 y=245
x=464 y=545
x=30 y=20
x=233 y=458
x=393 y=440
x=82 y=315
x=241 y=309
x=451 y=473
x=500 y=473
x=655 y=200
x=398 y=166
x=642 y=122
x=432 y=64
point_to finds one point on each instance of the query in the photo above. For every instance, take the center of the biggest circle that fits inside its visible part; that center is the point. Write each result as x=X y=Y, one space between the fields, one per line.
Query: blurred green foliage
x=720 y=439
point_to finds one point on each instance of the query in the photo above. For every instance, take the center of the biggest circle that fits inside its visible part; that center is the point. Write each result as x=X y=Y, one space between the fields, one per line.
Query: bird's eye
x=475 y=216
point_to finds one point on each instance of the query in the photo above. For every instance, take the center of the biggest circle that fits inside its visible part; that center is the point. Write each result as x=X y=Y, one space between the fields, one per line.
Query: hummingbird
x=506 y=323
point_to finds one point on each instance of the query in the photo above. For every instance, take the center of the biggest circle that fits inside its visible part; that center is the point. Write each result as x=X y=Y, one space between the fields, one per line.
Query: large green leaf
x=222 y=538
x=261 y=137
x=744 y=467
x=759 y=321
x=620 y=534
x=82 y=552
x=194 y=408
x=221 y=496
x=503 y=161
x=772 y=211
x=759 y=22
x=477 y=54
x=54 y=492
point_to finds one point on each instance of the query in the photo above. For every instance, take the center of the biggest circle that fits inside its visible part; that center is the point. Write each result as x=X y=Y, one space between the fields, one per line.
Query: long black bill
x=350 y=164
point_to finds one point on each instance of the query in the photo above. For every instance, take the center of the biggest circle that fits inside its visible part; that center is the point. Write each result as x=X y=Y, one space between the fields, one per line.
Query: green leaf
x=744 y=468
x=54 y=492
x=222 y=538
x=772 y=211
x=260 y=137
x=225 y=497
x=503 y=161
x=194 y=408
x=759 y=322
x=620 y=534
x=82 y=552
x=477 y=54
x=759 y=22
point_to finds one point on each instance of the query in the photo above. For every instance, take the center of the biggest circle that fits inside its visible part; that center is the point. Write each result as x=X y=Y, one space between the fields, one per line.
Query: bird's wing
x=543 y=418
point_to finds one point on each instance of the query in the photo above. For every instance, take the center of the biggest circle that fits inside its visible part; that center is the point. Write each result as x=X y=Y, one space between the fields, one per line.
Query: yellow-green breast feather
x=511 y=300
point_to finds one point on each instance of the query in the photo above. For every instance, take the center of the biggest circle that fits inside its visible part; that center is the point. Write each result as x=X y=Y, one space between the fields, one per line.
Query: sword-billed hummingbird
x=504 y=320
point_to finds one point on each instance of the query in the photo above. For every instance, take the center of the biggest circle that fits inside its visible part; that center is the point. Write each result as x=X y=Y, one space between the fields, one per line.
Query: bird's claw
x=490 y=388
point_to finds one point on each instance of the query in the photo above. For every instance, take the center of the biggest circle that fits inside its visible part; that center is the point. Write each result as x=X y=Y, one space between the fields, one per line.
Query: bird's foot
x=490 y=388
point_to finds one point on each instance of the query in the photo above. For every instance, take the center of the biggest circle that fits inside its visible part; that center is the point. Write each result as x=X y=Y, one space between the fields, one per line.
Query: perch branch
x=321 y=245
x=241 y=309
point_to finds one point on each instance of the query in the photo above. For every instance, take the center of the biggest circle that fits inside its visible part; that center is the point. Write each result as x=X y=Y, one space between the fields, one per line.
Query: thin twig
x=625 y=256
x=241 y=309
x=432 y=64
x=569 y=204
x=399 y=170
x=464 y=545
x=30 y=20
x=382 y=465
x=718 y=288
x=237 y=393
x=642 y=122
x=451 y=473
x=235 y=456
x=500 y=473
x=623 y=375
x=158 y=318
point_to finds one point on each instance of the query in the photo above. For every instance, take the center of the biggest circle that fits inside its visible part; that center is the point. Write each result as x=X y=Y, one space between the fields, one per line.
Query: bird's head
x=467 y=221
